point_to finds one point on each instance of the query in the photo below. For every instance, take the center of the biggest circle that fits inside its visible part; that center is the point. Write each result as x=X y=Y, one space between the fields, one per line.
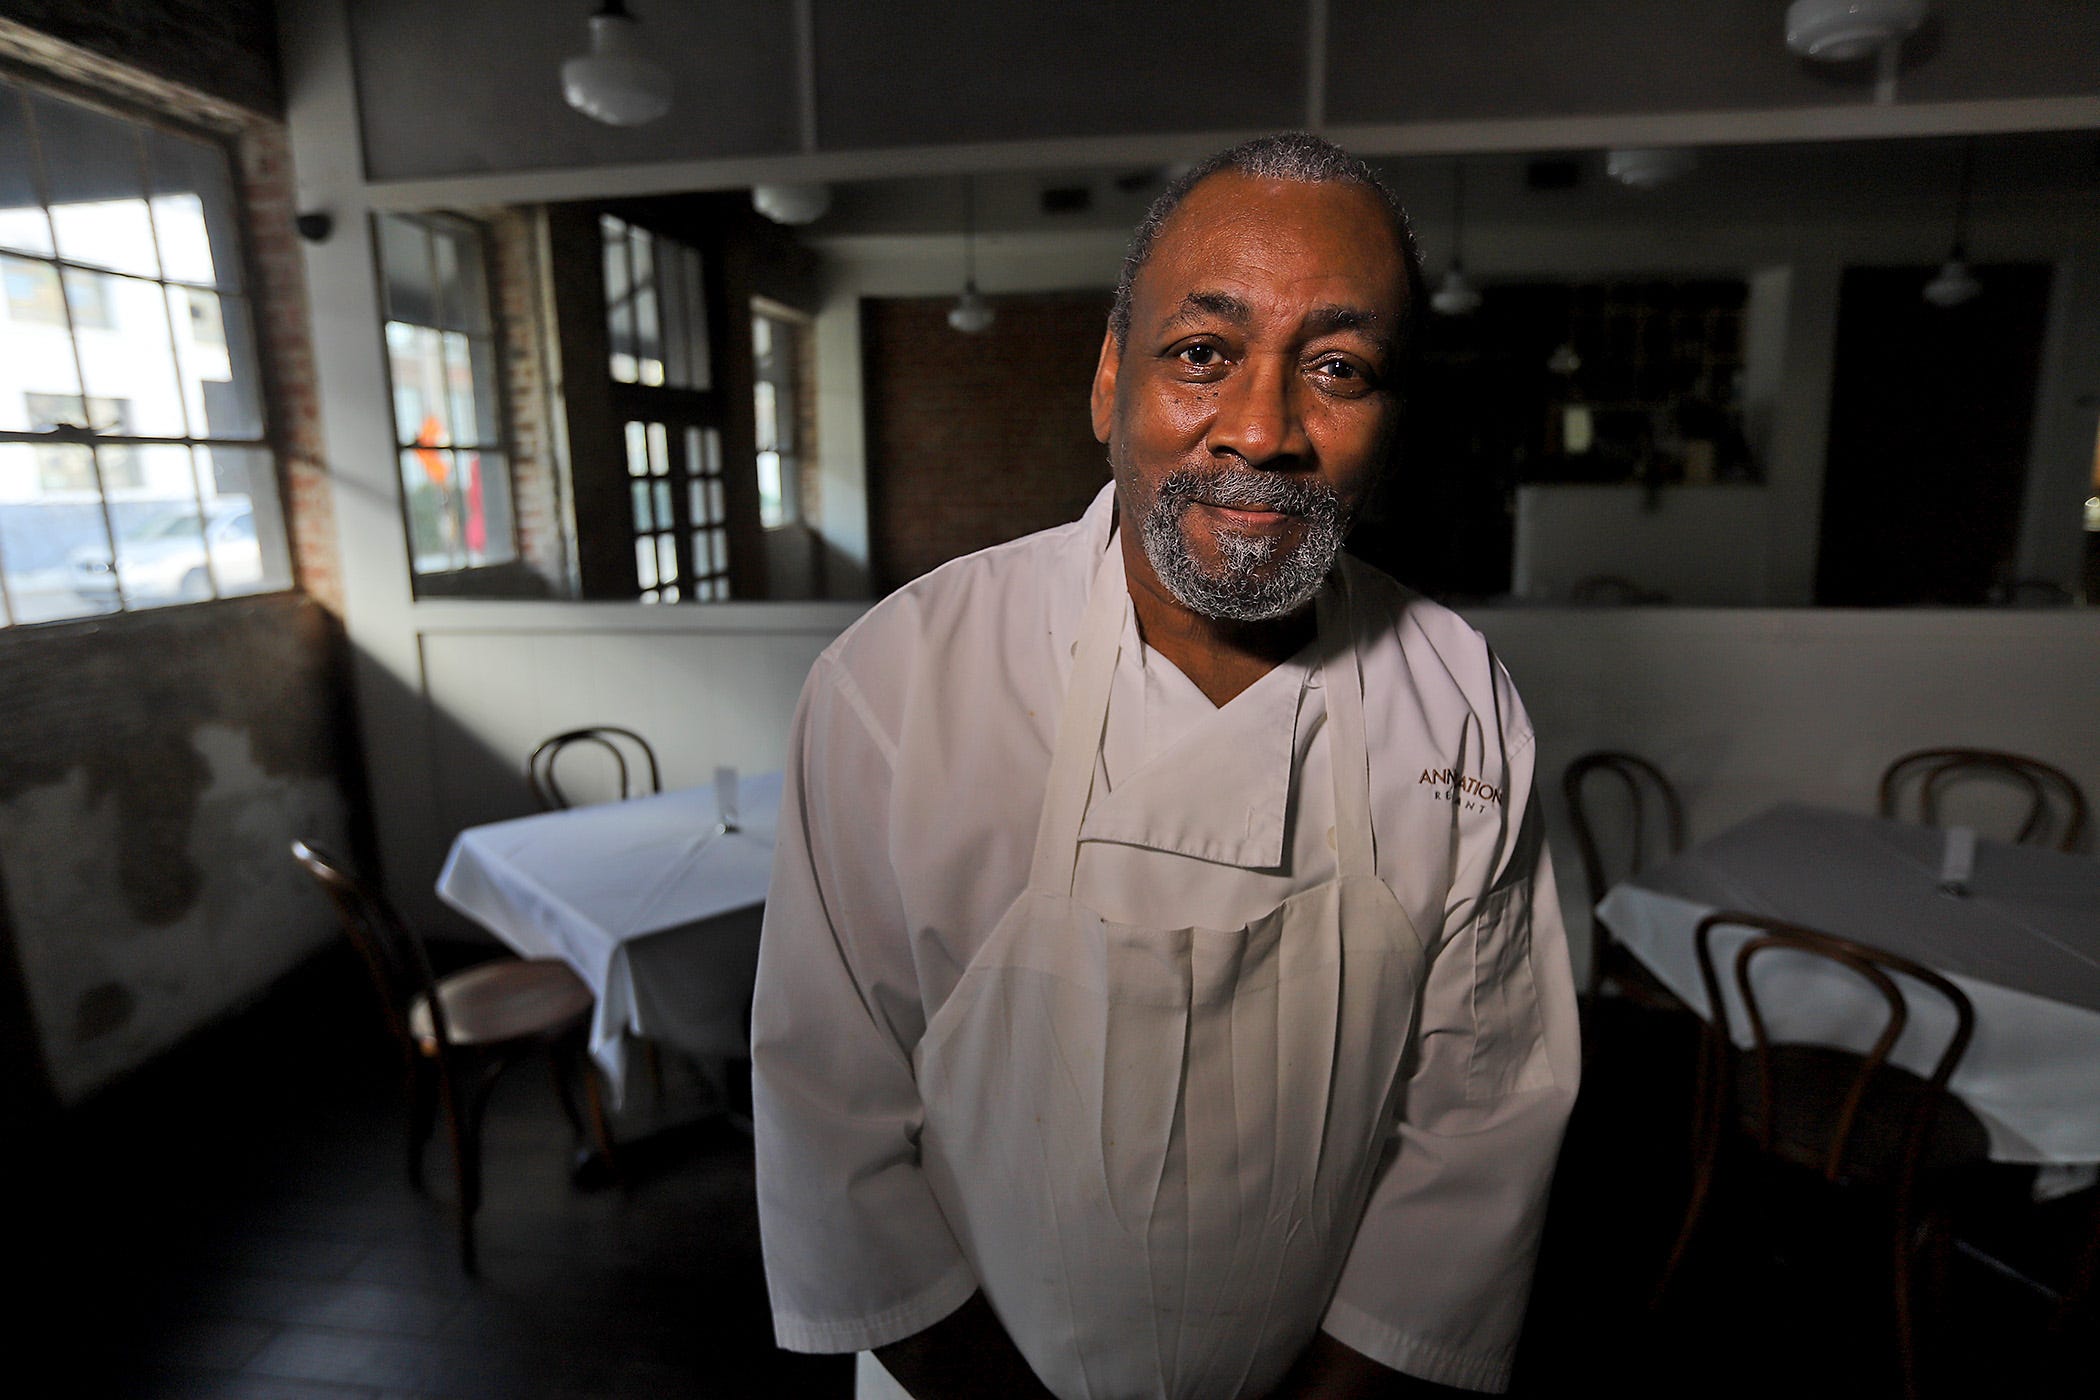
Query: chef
x=1163 y=992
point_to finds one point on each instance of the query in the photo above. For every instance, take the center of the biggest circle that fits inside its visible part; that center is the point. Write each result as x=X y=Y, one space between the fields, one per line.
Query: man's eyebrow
x=1196 y=305
x=1326 y=320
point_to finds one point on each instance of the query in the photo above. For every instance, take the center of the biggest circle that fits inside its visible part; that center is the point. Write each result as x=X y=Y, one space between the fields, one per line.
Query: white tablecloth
x=656 y=909
x=2023 y=943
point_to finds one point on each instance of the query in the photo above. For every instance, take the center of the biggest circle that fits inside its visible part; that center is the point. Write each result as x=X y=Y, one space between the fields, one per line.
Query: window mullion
x=175 y=362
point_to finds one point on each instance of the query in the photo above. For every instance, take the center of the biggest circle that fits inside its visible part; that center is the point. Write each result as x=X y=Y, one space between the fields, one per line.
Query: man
x=1163 y=991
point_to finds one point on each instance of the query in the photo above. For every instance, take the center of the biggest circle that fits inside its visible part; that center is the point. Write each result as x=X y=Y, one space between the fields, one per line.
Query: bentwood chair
x=459 y=1032
x=2055 y=806
x=1834 y=1121
x=621 y=752
x=1647 y=824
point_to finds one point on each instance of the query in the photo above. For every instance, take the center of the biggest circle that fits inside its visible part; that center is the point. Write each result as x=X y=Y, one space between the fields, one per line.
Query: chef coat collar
x=1220 y=792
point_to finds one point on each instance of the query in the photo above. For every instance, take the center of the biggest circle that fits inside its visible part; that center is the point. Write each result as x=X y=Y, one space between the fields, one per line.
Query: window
x=776 y=353
x=655 y=308
x=441 y=352
x=131 y=417
x=664 y=402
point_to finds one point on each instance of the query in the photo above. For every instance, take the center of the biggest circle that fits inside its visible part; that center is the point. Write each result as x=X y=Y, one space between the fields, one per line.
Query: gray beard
x=1254 y=584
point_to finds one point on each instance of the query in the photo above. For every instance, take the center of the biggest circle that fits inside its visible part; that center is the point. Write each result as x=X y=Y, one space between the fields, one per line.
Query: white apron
x=1154 y=1144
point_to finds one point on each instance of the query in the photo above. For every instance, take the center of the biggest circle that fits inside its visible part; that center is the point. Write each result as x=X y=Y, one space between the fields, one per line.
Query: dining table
x=655 y=901
x=2016 y=928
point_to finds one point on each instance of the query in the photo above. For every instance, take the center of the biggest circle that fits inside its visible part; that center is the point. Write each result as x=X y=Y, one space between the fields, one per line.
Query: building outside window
x=134 y=466
x=441 y=353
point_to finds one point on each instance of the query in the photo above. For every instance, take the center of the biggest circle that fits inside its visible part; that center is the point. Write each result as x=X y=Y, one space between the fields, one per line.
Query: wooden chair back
x=391 y=951
x=1872 y=966
x=1653 y=825
x=629 y=752
x=1929 y=772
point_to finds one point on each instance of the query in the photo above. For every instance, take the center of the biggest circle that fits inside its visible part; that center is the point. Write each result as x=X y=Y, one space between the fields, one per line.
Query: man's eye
x=1201 y=356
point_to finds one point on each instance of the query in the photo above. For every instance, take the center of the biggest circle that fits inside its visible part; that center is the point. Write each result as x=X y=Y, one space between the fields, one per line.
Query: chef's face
x=1252 y=406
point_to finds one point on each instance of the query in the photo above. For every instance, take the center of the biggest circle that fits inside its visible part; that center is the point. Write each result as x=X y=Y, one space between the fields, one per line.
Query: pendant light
x=1845 y=31
x=1456 y=295
x=788 y=202
x=615 y=82
x=1954 y=283
x=971 y=314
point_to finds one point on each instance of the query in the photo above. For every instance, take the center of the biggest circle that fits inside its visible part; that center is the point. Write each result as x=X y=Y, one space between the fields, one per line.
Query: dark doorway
x=1931 y=410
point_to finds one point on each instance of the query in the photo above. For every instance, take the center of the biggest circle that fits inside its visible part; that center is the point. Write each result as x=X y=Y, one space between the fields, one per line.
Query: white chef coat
x=921 y=749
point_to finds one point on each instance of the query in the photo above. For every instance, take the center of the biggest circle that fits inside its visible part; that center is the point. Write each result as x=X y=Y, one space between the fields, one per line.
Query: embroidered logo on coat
x=1450 y=785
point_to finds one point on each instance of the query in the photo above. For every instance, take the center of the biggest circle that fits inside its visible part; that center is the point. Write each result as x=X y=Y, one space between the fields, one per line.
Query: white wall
x=1664 y=542
x=1747 y=708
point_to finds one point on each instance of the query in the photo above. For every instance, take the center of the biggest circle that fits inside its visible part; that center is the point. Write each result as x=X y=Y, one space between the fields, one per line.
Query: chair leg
x=596 y=1164
x=422 y=1114
x=466 y=1161
x=1702 y=1187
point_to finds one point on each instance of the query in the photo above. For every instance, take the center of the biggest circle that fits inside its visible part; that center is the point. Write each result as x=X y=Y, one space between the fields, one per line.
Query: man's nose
x=1258 y=416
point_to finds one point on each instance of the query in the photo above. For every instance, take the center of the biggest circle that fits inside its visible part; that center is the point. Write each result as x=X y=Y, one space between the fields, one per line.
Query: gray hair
x=1296 y=156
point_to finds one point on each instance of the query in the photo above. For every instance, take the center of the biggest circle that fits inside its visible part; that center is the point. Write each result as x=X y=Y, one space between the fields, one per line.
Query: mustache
x=1310 y=500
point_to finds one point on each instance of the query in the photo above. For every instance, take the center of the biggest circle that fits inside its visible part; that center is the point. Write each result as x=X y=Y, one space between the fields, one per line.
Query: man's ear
x=1104 y=398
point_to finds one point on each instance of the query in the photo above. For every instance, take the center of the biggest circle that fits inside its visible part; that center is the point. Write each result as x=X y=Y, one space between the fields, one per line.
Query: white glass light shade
x=1456 y=295
x=971 y=314
x=1645 y=167
x=791 y=203
x=614 y=83
x=1954 y=285
x=1840 y=31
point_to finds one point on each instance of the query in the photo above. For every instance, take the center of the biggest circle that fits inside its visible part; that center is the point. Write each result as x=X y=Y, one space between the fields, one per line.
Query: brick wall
x=976 y=439
x=522 y=338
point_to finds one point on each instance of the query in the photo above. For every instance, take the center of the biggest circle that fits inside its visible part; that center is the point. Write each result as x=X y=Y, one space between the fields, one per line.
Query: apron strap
x=1348 y=746
x=1076 y=758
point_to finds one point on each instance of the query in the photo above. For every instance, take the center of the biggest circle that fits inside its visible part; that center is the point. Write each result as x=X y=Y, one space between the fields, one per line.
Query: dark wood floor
x=235 y=1222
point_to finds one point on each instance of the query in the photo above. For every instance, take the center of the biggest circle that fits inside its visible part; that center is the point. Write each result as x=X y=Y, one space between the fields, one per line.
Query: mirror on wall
x=1834 y=374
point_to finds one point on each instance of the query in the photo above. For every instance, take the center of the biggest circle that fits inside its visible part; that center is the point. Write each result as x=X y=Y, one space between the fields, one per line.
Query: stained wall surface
x=153 y=768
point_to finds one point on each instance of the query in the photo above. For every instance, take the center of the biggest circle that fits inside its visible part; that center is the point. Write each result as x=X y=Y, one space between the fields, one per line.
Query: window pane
x=36 y=354
x=637 y=450
x=161 y=554
x=485 y=508
x=766 y=402
x=663 y=505
x=22 y=222
x=463 y=298
x=433 y=536
x=193 y=210
x=666 y=559
x=645 y=561
x=619 y=301
x=122 y=332
x=459 y=390
x=215 y=354
x=644 y=519
x=770 y=508
x=404 y=256
x=486 y=397
x=648 y=325
x=659 y=450
x=670 y=274
x=420 y=406
x=714 y=501
x=54 y=548
x=98 y=197
x=249 y=550
x=695 y=319
x=703 y=557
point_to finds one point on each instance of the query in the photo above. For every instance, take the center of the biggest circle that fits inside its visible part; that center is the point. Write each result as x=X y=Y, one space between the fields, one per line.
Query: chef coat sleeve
x=857 y=1253
x=1436 y=1282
